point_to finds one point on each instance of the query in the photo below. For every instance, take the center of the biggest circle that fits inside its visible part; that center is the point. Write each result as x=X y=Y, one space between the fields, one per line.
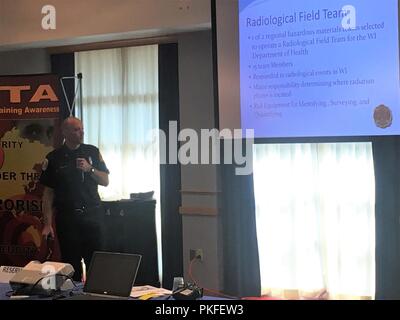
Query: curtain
x=171 y=220
x=63 y=65
x=120 y=116
x=120 y=110
x=387 y=176
x=241 y=277
x=316 y=219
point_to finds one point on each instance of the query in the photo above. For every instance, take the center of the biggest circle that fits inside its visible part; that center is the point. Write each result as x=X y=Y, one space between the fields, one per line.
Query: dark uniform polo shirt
x=73 y=189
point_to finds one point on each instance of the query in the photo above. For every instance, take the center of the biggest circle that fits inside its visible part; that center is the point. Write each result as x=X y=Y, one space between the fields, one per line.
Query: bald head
x=72 y=130
x=70 y=121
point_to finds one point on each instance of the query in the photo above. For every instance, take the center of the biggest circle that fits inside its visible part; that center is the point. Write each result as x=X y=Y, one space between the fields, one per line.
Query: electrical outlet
x=185 y=4
x=196 y=253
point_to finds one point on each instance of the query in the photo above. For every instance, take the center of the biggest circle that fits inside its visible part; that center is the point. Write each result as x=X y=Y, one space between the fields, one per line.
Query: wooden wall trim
x=112 y=44
x=200 y=192
x=199 y=211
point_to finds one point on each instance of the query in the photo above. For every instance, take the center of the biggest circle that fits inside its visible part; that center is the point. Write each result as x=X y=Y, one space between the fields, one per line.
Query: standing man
x=71 y=175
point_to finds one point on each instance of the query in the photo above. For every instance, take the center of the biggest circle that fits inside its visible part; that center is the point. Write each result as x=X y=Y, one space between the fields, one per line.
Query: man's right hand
x=48 y=231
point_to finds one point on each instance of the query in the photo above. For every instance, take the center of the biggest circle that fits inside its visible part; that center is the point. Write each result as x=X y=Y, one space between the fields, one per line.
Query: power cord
x=51 y=275
x=218 y=293
x=26 y=291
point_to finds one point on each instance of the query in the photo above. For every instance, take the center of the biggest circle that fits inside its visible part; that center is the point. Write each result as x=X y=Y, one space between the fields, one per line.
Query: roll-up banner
x=29 y=129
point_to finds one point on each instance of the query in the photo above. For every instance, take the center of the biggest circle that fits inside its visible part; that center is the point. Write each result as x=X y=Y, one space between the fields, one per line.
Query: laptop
x=111 y=276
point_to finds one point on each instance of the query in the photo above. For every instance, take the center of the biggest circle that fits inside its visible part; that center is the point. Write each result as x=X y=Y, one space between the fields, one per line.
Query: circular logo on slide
x=383 y=116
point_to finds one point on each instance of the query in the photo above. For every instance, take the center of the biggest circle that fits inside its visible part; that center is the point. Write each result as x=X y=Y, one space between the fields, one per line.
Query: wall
x=197 y=112
x=78 y=21
x=24 y=62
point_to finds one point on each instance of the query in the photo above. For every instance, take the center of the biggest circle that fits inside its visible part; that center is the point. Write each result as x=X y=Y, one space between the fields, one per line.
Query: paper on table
x=139 y=291
x=7 y=272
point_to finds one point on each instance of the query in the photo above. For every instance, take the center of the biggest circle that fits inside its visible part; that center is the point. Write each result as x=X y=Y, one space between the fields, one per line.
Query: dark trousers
x=80 y=233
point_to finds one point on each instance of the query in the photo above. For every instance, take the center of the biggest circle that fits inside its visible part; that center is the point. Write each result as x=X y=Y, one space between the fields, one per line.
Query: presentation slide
x=319 y=68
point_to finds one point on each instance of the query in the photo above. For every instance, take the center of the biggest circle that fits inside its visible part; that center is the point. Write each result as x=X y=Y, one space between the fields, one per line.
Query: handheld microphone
x=81 y=155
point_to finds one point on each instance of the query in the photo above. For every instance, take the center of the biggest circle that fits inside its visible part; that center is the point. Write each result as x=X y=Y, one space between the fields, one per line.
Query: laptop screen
x=112 y=273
